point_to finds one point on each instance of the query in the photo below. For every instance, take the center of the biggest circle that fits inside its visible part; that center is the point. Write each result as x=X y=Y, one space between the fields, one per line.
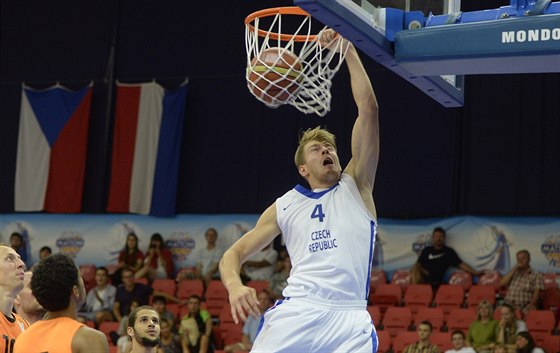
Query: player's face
x=11 y=270
x=321 y=162
x=29 y=303
x=146 y=328
x=458 y=341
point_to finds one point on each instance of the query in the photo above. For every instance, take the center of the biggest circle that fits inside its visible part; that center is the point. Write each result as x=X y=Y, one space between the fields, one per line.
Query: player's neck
x=7 y=303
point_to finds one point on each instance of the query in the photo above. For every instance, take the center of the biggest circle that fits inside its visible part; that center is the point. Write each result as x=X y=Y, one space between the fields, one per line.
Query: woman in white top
x=458 y=342
x=526 y=344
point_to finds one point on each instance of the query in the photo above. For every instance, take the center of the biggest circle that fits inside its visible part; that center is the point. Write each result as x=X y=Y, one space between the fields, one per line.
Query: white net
x=303 y=82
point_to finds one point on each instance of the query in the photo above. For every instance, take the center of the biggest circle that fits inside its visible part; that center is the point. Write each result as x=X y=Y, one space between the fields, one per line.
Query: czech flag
x=146 y=149
x=51 y=153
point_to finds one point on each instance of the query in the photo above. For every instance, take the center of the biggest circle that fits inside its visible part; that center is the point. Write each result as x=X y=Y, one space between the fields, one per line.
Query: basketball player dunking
x=329 y=233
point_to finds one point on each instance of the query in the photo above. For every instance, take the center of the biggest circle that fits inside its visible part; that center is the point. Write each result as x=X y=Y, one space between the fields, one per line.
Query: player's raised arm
x=365 y=134
x=243 y=299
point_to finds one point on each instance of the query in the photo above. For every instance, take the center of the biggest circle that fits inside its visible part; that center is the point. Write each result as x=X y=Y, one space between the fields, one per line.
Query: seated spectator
x=458 y=343
x=523 y=284
x=44 y=252
x=100 y=299
x=435 y=260
x=526 y=344
x=509 y=327
x=196 y=328
x=279 y=280
x=169 y=342
x=158 y=262
x=483 y=331
x=260 y=266
x=282 y=254
x=130 y=290
x=251 y=325
x=130 y=257
x=18 y=244
x=159 y=303
x=207 y=259
x=423 y=345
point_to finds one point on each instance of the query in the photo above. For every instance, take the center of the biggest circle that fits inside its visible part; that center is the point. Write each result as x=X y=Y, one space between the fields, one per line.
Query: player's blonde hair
x=316 y=134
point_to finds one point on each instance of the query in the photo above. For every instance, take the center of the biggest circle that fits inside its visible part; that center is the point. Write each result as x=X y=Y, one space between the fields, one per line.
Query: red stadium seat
x=442 y=340
x=386 y=295
x=107 y=326
x=461 y=278
x=418 y=296
x=375 y=314
x=479 y=293
x=402 y=278
x=189 y=287
x=433 y=315
x=540 y=323
x=449 y=296
x=225 y=315
x=231 y=333
x=551 y=279
x=404 y=339
x=378 y=277
x=87 y=271
x=397 y=319
x=258 y=285
x=460 y=319
x=491 y=278
x=166 y=286
x=384 y=339
x=551 y=298
x=551 y=344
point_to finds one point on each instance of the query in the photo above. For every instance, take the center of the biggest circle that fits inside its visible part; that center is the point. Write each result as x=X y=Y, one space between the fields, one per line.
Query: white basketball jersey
x=330 y=237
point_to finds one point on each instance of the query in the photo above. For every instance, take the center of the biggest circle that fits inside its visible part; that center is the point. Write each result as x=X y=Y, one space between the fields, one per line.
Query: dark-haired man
x=435 y=260
x=59 y=288
x=144 y=329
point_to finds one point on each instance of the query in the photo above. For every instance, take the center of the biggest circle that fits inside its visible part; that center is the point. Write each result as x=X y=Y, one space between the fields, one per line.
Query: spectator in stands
x=44 y=252
x=100 y=299
x=458 y=343
x=524 y=284
x=251 y=325
x=159 y=302
x=526 y=344
x=435 y=260
x=207 y=258
x=25 y=303
x=128 y=291
x=158 y=262
x=196 y=328
x=260 y=266
x=130 y=257
x=423 y=345
x=18 y=244
x=279 y=280
x=169 y=341
x=483 y=331
x=509 y=327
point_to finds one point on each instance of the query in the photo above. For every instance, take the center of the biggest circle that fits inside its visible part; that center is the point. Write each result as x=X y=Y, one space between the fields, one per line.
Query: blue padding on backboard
x=514 y=45
x=365 y=36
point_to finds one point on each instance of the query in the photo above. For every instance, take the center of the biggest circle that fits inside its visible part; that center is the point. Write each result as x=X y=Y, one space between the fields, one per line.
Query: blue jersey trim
x=371 y=245
x=311 y=194
x=374 y=339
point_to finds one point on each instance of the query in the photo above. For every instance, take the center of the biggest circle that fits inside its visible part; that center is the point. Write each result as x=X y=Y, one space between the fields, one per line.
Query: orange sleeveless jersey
x=48 y=336
x=11 y=329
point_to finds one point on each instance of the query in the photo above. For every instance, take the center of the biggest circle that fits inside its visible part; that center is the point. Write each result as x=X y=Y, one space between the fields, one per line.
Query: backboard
x=431 y=43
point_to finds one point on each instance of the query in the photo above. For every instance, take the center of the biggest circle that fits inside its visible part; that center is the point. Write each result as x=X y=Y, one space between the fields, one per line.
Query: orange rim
x=291 y=10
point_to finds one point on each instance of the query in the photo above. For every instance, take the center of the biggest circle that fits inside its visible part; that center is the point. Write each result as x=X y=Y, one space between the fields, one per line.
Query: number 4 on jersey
x=318 y=212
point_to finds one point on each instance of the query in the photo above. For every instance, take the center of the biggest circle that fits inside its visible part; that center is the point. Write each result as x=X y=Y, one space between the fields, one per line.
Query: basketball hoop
x=290 y=31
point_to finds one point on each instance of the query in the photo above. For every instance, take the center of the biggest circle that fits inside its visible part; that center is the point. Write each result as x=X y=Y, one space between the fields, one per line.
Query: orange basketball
x=274 y=75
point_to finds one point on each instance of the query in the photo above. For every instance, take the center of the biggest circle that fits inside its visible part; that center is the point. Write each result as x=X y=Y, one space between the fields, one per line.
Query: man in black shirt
x=434 y=260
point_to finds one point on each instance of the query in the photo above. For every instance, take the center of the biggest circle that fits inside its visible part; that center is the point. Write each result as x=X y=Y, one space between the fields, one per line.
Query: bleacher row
x=397 y=307
x=215 y=300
